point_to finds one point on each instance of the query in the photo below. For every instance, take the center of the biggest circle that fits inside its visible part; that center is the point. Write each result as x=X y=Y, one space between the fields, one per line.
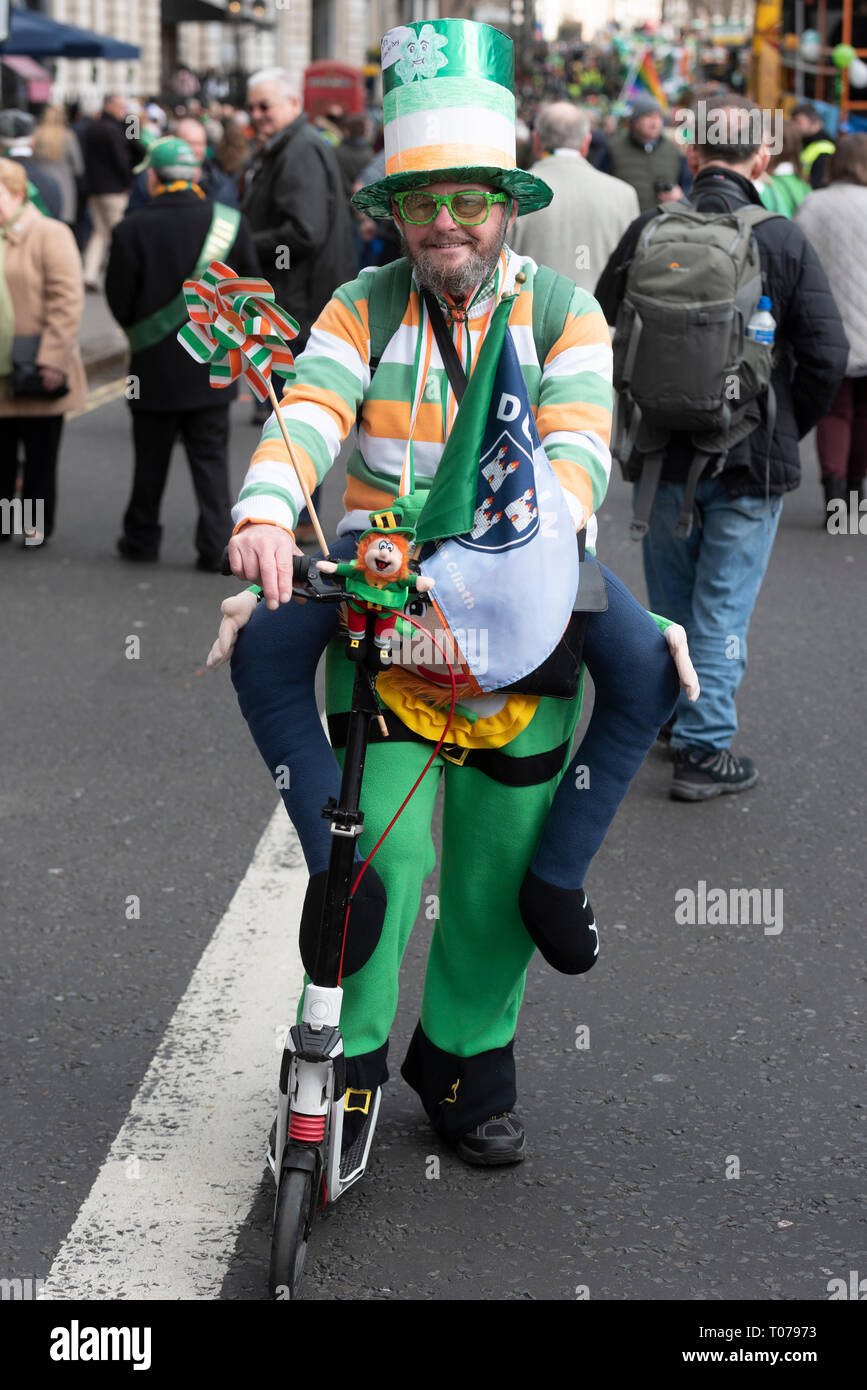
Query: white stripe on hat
x=467 y=126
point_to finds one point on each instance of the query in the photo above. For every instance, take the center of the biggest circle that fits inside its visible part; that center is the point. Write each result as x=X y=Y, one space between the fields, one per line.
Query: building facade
x=220 y=36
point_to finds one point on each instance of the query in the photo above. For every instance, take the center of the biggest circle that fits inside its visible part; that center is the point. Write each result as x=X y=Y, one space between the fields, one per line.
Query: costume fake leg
x=273 y=671
x=636 y=687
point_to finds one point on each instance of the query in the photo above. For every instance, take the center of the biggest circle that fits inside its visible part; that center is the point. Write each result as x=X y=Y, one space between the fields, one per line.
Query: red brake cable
x=413 y=789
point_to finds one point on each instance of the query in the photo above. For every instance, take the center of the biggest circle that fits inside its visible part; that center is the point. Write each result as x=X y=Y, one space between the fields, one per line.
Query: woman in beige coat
x=41 y=298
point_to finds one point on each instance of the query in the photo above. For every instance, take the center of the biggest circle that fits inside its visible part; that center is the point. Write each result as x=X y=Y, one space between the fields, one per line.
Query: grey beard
x=455 y=283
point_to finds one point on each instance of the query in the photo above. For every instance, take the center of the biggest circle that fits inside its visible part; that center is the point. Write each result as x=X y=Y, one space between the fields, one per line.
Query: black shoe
x=130 y=552
x=356 y=648
x=856 y=485
x=700 y=773
x=500 y=1139
x=382 y=655
x=208 y=565
x=560 y=923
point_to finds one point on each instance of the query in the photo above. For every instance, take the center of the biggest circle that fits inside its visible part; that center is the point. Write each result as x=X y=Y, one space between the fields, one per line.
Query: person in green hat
x=173 y=238
x=169 y=160
x=379 y=358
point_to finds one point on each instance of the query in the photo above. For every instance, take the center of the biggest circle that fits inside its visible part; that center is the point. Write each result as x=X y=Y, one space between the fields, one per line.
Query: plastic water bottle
x=762 y=326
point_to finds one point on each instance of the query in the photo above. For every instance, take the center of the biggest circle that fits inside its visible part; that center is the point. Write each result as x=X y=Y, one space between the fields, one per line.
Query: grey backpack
x=682 y=360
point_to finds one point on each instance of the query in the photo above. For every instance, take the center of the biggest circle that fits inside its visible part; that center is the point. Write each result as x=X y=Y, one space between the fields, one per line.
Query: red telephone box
x=333 y=84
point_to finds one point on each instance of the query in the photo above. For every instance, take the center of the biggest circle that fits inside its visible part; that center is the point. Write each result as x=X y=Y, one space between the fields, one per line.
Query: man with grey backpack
x=728 y=349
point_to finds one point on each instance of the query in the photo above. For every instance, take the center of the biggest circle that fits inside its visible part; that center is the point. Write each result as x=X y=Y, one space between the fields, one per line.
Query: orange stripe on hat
x=428 y=158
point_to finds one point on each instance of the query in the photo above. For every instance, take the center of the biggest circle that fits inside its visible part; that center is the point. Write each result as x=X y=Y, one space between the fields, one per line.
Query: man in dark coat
x=710 y=581
x=294 y=200
x=109 y=155
x=152 y=252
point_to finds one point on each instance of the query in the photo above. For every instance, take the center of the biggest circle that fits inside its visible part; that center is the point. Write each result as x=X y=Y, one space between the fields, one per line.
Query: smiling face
x=383 y=556
x=450 y=258
x=271 y=109
x=421 y=55
x=418 y=53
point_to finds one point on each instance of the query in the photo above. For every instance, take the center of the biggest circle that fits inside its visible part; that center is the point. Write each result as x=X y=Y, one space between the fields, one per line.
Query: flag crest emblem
x=501 y=543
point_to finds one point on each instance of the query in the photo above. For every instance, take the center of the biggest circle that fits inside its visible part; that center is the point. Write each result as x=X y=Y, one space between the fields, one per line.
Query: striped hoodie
x=570 y=393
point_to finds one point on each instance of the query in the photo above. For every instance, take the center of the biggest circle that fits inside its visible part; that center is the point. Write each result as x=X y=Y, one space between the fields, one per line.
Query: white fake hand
x=675 y=636
x=236 y=612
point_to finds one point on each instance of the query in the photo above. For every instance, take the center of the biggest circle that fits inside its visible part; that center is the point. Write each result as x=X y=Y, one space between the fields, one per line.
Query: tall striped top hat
x=449 y=113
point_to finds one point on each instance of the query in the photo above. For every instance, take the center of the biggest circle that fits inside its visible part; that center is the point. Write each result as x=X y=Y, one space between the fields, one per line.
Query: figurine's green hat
x=449 y=114
x=400 y=517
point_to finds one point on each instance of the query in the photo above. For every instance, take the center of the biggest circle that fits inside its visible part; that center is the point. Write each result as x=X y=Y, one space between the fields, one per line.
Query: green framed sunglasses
x=468 y=208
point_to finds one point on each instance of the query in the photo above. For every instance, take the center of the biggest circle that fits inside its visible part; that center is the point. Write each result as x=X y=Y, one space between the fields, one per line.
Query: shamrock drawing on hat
x=420 y=56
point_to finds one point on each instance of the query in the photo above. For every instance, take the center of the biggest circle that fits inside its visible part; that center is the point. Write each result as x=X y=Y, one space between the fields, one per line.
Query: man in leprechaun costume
x=505 y=484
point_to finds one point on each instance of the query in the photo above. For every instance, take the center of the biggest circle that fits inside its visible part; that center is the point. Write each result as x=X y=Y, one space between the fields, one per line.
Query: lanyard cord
x=464 y=347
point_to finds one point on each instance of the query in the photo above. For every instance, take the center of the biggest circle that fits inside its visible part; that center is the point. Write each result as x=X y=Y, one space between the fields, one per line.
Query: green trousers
x=460 y=1059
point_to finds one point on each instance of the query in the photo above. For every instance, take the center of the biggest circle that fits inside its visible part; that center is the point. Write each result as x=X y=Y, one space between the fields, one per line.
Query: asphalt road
x=708 y=1143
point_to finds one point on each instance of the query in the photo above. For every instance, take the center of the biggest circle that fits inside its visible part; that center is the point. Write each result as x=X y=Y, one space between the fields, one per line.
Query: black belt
x=500 y=767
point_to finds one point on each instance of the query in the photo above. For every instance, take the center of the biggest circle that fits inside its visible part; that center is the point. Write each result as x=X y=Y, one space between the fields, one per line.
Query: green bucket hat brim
x=531 y=193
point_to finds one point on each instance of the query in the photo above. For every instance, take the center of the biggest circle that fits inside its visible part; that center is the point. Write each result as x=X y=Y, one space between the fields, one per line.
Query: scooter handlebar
x=306 y=579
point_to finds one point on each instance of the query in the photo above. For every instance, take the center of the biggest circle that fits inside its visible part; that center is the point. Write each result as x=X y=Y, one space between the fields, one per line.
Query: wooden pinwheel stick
x=300 y=476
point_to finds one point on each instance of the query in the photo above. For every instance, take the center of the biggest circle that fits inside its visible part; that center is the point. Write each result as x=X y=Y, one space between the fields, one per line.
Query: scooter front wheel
x=293 y=1219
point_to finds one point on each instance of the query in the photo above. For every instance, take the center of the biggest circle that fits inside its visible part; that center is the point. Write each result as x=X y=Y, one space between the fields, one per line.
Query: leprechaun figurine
x=380 y=577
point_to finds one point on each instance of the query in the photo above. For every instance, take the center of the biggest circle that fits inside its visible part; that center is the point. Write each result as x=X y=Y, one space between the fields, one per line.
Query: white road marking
x=163 y=1215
